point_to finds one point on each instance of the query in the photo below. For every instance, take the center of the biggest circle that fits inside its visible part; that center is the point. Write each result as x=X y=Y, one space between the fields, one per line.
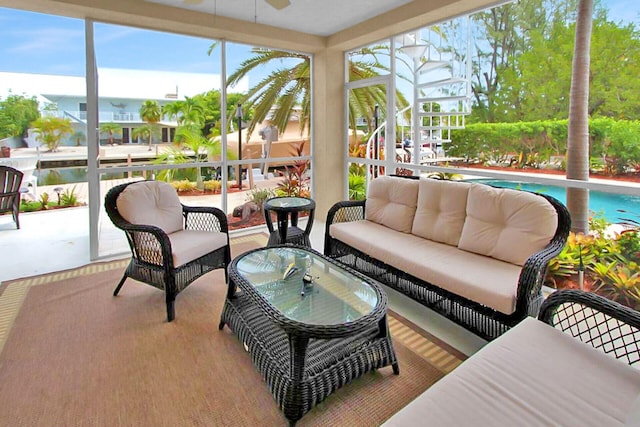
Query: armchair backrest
x=151 y=203
x=10 y=181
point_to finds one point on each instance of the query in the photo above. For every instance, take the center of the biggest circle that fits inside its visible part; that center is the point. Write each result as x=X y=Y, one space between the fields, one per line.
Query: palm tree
x=143 y=132
x=51 y=130
x=283 y=87
x=150 y=113
x=192 y=112
x=172 y=110
x=578 y=137
x=110 y=128
x=80 y=137
x=191 y=136
x=287 y=87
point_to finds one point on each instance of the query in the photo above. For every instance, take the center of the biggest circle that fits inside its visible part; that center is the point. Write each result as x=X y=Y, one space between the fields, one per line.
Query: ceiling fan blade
x=279 y=4
x=192 y=1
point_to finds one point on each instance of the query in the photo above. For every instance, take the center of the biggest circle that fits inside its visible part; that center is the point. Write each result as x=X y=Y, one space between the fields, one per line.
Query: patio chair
x=171 y=244
x=10 y=181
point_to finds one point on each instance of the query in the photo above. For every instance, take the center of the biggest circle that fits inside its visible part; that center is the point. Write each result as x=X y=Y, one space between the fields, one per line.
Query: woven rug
x=71 y=354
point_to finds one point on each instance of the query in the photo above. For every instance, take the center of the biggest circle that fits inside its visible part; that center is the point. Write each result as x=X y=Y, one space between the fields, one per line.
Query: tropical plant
x=445 y=176
x=295 y=182
x=69 y=197
x=191 y=137
x=213 y=185
x=51 y=131
x=357 y=186
x=183 y=185
x=111 y=129
x=150 y=113
x=259 y=196
x=44 y=200
x=173 y=155
x=288 y=87
x=144 y=133
x=80 y=137
x=285 y=88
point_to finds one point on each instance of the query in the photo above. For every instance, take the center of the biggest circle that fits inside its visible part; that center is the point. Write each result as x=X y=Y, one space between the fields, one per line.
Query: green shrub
x=213 y=185
x=183 y=185
x=357 y=187
x=259 y=195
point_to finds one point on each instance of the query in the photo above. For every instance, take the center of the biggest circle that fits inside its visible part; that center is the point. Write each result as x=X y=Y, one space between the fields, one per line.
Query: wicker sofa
x=474 y=253
x=547 y=372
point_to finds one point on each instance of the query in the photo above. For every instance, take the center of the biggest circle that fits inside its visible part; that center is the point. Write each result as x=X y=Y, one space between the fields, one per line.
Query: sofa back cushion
x=151 y=203
x=391 y=201
x=506 y=224
x=441 y=210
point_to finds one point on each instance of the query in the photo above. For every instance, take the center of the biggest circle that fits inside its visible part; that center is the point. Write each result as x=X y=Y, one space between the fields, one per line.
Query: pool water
x=606 y=204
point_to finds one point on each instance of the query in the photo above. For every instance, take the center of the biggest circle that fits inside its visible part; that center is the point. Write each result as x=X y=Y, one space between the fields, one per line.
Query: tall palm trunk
x=578 y=144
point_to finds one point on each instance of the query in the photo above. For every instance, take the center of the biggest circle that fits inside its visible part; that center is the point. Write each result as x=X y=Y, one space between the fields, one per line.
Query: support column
x=328 y=130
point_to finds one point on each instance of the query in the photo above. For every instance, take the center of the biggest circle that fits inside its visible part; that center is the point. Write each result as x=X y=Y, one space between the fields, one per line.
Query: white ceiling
x=319 y=17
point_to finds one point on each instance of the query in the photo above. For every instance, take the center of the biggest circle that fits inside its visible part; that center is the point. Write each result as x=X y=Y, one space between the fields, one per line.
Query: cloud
x=49 y=40
x=104 y=35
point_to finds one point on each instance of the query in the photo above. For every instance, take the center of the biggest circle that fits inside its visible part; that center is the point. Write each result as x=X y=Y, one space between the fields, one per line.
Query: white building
x=121 y=93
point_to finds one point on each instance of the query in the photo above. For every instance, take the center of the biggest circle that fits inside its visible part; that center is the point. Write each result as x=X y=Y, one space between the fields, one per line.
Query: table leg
x=231 y=290
x=294 y=404
x=294 y=219
x=283 y=224
x=383 y=333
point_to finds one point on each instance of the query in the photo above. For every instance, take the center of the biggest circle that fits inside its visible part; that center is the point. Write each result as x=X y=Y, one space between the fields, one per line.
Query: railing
x=103 y=116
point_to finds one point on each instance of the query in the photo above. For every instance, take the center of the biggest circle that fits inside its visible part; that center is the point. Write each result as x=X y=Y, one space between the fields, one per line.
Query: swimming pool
x=607 y=204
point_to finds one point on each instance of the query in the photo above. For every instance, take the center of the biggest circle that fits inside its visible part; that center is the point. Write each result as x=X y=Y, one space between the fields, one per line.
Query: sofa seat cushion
x=151 y=203
x=187 y=245
x=533 y=375
x=441 y=210
x=506 y=224
x=391 y=201
x=478 y=278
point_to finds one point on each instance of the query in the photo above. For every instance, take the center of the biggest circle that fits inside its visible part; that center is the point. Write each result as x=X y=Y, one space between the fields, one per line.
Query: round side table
x=288 y=208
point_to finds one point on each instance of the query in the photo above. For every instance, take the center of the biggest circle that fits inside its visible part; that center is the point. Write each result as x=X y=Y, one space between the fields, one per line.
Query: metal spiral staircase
x=442 y=90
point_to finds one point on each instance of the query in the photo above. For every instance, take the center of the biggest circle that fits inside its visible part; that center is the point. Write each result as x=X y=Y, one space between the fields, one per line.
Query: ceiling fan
x=278 y=4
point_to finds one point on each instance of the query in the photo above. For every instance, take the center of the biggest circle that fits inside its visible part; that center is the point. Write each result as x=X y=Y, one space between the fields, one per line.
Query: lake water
x=607 y=204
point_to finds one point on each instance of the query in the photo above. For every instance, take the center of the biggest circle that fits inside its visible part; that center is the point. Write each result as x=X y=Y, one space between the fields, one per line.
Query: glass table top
x=288 y=202
x=333 y=297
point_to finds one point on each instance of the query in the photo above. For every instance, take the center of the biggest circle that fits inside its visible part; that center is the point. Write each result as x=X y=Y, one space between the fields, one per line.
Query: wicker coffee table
x=307 y=339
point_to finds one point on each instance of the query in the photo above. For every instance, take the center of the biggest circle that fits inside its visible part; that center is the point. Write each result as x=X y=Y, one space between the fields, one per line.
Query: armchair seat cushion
x=486 y=280
x=187 y=245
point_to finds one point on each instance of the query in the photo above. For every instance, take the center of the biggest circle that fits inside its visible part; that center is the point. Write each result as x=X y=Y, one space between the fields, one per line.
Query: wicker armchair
x=604 y=324
x=10 y=181
x=171 y=244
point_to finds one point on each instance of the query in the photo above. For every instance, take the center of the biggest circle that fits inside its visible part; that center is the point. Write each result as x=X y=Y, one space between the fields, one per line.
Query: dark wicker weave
x=483 y=321
x=285 y=233
x=301 y=363
x=595 y=320
x=151 y=260
x=10 y=181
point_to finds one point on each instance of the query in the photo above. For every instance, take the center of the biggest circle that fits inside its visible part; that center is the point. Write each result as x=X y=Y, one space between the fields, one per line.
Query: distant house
x=121 y=93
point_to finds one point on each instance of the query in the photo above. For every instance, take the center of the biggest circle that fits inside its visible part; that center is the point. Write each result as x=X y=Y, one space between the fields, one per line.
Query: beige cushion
x=441 y=210
x=187 y=245
x=533 y=375
x=391 y=201
x=506 y=224
x=485 y=280
x=151 y=203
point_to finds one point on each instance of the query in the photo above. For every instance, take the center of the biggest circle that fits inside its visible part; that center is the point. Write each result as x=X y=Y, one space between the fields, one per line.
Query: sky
x=47 y=44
